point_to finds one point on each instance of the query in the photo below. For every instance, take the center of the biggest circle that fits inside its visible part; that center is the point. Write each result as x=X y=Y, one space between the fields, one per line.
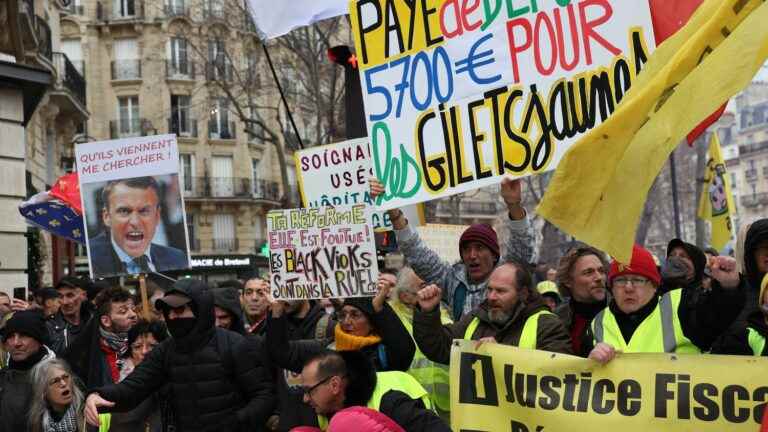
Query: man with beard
x=24 y=337
x=581 y=275
x=255 y=302
x=97 y=356
x=74 y=312
x=512 y=314
x=215 y=381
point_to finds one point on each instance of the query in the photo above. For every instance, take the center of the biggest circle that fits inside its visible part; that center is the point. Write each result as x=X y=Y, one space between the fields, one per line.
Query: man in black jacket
x=334 y=380
x=215 y=380
x=24 y=337
x=226 y=307
x=74 y=313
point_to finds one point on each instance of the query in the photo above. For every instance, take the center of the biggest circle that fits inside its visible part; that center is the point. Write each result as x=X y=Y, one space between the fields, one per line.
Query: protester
x=362 y=419
x=639 y=319
x=214 y=379
x=24 y=339
x=304 y=321
x=756 y=255
x=549 y=293
x=464 y=284
x=5 y=306
x=552 y=275
x=581 y=276
x=143 y=337
x=227 y=310
x=58 y=403
x=255 y=302
x=74 y=312
x=97 y=355
x=50 y=301
x=513 y=314
x=333 y=381
x=751 y=338
x=432 y=376
x=695 y=262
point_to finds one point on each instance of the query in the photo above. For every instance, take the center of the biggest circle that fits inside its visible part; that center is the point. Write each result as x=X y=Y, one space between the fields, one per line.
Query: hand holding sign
x=723 y=270
x=602 y=353
x=429 y=297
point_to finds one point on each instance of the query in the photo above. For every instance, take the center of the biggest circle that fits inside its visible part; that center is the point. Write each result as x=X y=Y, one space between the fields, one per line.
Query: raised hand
x=723 y=269
x=429 y=297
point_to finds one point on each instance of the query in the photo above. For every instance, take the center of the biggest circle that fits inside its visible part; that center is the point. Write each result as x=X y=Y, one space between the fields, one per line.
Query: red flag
x=67 y=189
x=669 y=17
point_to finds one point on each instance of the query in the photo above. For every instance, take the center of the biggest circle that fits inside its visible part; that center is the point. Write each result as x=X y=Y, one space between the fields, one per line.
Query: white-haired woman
x=58 y=403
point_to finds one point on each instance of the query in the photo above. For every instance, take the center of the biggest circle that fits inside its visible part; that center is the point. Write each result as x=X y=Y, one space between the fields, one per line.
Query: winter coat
x=434 y=339
x=394 y=352
x=738 y=343
x=228 y=299
x=703 y=316
x=430 y=267
x=215 y=380
x=291 y=407
x=16 y=397
x=571 y=312
x=61 y=333
x=757 y=234
x=699 y=265
x=86 y=357
x=364 y=419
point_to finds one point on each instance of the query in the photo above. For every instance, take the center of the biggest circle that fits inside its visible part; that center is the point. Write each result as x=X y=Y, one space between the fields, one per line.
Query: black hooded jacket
x=699 y=265
x=410 y=414
x=757 y=234
x=228 y=299
x=216 y=381
x=738 y=341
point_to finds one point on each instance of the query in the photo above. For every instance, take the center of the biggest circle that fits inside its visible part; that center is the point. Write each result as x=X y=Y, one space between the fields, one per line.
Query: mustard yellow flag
x=598 y=190
x=716 y=202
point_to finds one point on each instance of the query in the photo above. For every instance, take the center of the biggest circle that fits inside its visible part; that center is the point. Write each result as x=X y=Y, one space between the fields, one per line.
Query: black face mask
x=180 y=327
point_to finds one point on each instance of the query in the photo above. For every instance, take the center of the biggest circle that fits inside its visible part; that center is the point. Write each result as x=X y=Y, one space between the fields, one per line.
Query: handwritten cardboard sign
x=459 y=93
x=133 y=212
x=337 y=174
x=325 y=252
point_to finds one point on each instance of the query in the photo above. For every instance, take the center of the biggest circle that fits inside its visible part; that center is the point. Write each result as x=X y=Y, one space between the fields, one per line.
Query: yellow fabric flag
x=716 y=202
x=598 y=190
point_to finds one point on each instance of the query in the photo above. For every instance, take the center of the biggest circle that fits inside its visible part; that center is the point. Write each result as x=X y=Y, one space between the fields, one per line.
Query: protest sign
x=133 y=211
x=337 y=174
x=442 y=239
x=325 y=252
x=459 y=93
x=498 y=387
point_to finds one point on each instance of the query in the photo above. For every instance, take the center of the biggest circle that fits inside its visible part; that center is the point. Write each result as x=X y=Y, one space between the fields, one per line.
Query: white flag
x=276 y=18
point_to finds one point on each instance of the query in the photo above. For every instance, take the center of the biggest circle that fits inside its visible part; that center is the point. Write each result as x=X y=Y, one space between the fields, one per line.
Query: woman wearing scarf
x=364 y=324
x=57 y=401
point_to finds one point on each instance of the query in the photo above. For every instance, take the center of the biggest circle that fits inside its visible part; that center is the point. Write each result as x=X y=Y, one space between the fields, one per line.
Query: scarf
x=67 y=423
x=117 y=342
x=29 y=362
x=348 y=342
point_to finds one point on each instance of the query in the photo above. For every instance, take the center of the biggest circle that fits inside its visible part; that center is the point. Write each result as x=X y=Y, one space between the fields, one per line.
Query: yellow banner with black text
x=502 y=388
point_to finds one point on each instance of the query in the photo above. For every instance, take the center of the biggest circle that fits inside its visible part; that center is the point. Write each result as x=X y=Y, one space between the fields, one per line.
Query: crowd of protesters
x=86 y=356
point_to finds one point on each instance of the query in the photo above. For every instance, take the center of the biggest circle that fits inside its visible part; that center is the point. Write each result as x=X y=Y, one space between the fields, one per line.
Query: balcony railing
x=74 y=9
x=125 y=128
x=177 y=9
x=69 y=77
x=180 y=70
x=127 y=10
x=221 y=130
x=225 y=244
x=183 y=127
x=126 y=69
x=219 y=71
x=45 y=47
x=754 y=200
x=231 y=187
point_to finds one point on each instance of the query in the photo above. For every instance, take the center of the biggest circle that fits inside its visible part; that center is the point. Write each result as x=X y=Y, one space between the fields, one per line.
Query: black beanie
x=29 y=323
x=365 y=304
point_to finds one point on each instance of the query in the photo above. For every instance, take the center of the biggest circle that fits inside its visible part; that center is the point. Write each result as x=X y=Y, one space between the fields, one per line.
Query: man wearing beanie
x=24 y=339
x=638 y=319
x=464 y=284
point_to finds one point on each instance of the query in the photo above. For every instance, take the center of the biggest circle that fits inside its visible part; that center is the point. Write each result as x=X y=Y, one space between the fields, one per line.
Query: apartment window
x=191 y=234
x=178 y=57
x=214 y=8
x=255 y=169
x=180 y=121
x=176 y=7
x=219 y=125
x=734 y=184
x=224 y=232
x=124 y=8
x=128 y=116
x=73 y=48
x=187 y=172
x=126 y=64
x=222 y=181
x=218 y=64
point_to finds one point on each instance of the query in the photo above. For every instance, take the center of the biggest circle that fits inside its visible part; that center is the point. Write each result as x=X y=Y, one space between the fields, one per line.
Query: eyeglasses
x=635 y=281
x=308 y=390
x=59 y=380
x=353 y=315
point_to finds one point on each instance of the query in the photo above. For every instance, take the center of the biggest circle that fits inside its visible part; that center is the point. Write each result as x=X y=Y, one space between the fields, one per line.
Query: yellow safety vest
x=106 y=421
x=434 y=377
x=386 y=381
x=527 y=337
x=756 y=341
x=660 y=332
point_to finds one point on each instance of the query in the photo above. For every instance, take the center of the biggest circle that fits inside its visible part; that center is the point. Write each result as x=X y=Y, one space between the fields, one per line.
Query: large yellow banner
x=501 y=388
